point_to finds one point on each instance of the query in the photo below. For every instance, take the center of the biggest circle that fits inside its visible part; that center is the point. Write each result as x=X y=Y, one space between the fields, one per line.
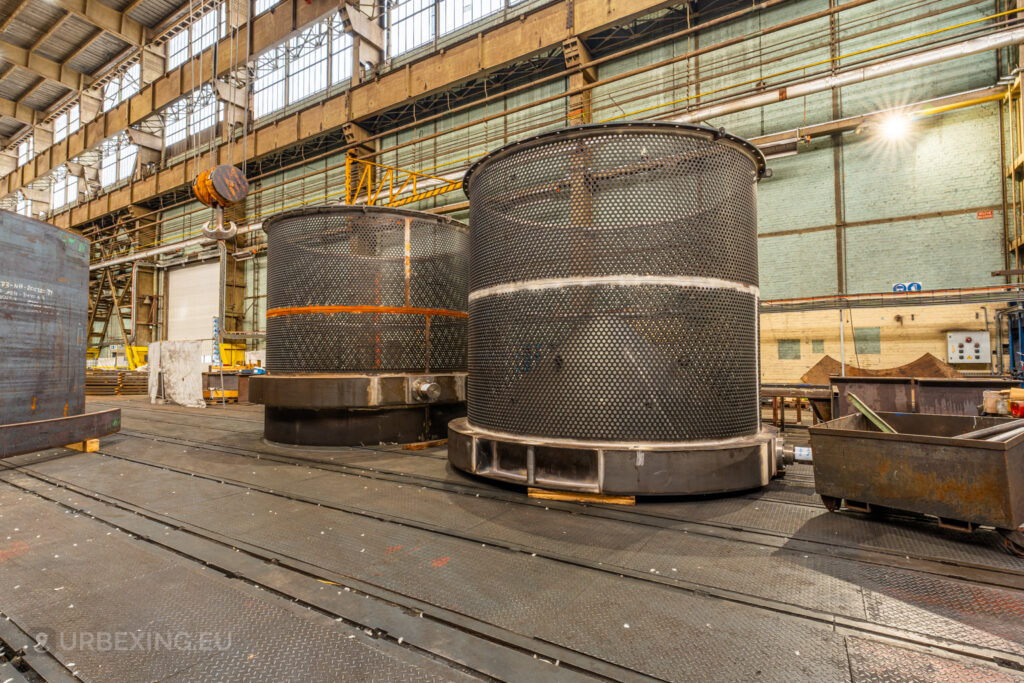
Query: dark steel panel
x=344 y=427
x=891 y=394
x=622 y=360
x=320 y=391
x=44 y=306
x=923 y=468
x=324 y=258
x=27 y=437
x=956 y=396
x=310 y=391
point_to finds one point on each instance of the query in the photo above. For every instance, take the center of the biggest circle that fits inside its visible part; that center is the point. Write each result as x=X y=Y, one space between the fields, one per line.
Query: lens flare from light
x=895 y=127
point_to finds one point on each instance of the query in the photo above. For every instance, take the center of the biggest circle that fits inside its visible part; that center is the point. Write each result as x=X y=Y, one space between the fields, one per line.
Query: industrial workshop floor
x=189 y=549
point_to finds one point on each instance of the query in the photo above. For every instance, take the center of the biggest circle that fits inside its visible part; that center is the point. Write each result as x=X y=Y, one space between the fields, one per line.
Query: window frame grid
x=22 y=204
x=26 y=150
x=200 y=35
x=305 y=66
x=308 y=63
x=121 y=87
x=117 y=160
x=67 y=123
x=66 y=185
x=403 y=29
x=261 y=6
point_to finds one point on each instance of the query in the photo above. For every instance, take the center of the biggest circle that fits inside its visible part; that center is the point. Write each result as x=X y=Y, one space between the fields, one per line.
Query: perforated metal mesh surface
x=325 y=258
x=625 y=361
x=646 y=200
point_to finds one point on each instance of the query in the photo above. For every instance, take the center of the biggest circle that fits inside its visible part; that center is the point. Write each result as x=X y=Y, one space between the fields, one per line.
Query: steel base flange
x=358 y=427
x=353 y=409
x=621 y=468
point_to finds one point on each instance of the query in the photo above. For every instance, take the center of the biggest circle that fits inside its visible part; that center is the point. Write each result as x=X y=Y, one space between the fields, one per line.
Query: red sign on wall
x=982 y=215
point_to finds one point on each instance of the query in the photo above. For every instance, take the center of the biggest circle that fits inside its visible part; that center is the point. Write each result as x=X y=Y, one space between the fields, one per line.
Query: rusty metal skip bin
x=924 y=468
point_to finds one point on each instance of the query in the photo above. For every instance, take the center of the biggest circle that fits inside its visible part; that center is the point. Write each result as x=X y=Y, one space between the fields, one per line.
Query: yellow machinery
x=385 y=185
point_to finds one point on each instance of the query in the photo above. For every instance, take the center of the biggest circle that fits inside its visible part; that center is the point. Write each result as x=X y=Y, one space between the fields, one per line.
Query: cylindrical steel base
x=634 y=468
x=359 y=427
x=355 y=409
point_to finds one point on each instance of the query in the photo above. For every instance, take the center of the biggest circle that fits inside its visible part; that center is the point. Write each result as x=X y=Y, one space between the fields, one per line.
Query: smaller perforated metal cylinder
x=365 y=289
x=613 y=285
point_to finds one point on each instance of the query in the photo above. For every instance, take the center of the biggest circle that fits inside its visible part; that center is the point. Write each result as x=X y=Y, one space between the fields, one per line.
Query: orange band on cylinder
x=408 y=310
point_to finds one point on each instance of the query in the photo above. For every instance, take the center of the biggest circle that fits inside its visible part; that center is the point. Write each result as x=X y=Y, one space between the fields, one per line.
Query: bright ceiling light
x=895 y=126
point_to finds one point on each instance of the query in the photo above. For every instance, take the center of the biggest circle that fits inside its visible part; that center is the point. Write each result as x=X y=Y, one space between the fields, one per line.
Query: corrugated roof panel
x=152 y=12
x=9 y=126
x=8 y=7
x=98 y=54
x=66 y=39
x=46 y=96
x=17 y=82
x=31 y=23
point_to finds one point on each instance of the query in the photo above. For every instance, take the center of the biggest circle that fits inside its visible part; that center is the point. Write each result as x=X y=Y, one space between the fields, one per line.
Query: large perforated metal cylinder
x=613 y=285
x=371 y=290
x=366 y=326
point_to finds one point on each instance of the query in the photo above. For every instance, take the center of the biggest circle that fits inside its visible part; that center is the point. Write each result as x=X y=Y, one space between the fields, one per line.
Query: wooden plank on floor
x=580 y=497
x=423 y=445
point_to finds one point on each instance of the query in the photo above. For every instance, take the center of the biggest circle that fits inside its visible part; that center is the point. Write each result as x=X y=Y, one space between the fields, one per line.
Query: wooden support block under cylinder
x=578 y=497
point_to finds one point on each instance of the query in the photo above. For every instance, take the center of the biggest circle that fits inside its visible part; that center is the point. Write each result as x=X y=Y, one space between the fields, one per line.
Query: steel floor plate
x=764 y=585
x=112 y=607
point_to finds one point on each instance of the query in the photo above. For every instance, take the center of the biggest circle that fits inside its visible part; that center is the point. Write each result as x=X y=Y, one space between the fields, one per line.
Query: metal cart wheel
x=831 y=503
x=1013 y=541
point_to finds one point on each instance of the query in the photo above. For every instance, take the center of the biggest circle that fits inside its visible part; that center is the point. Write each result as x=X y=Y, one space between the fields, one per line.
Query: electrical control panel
x=968 y=347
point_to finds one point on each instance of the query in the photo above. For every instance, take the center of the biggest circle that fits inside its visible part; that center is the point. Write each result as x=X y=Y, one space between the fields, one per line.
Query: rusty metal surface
x=796 y=391
x=923 y=468
x=937 y=396
x=222 y=186
x=38 y=435
x=356 y=427
x=890 y=394
x=320 y=391
x=955 y=396
x=43 y=318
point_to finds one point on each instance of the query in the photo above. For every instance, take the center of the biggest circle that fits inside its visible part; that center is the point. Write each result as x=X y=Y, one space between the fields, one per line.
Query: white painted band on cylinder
x=617 y=280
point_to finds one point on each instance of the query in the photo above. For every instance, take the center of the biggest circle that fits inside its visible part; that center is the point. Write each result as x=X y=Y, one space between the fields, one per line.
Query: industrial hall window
x=789 y=349
x=204 y=32
x=454 y=14
x=867 y=340
x=412 y=23
x=261 y=6
x=191 y=115
x=22 y=205
x=66 y=124
x=63 y=188
x=121 y=87
x=307 y=63
x=117 y=160
x=26 y=149
x=319 y=56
